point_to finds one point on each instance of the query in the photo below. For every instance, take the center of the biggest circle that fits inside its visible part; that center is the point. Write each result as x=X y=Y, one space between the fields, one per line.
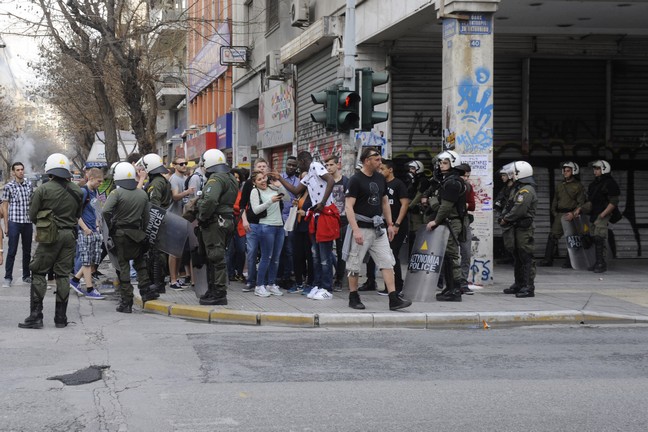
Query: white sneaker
x=322 y=294
x=312 y=292
x=6 y=283
x=274 y=290
x=261 y=291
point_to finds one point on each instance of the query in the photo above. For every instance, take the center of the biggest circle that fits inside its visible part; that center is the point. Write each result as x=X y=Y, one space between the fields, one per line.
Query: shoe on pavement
x=94 y=294
x=368 y=285
x=382 y=292
x=184 y=281
x=247 y=288
x=261 y=291
x=354 y=301
x=27 y=280
x=396 y=302
x=176 y=286
x=274 y=290
x=295 y=289
x=337 y=286
x=75 y=286
x=466 y=290
x=6 y=283
x=312 y=292
x=322 y=294
x=306 y=289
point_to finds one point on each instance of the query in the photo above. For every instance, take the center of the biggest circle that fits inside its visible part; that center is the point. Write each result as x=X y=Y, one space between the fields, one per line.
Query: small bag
x=46 y=229
x=190 y=210
x=290 y=220
x=616 y=215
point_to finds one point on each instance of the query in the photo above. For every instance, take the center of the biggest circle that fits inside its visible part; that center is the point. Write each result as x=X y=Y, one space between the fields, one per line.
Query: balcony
x=171 y=30
x=170 y=92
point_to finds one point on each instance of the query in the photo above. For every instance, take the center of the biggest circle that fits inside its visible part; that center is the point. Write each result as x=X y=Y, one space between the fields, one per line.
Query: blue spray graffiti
x=480 y=270
x=476 y=107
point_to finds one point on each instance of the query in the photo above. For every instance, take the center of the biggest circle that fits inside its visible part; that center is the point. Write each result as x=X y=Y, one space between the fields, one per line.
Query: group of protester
x=306 y=230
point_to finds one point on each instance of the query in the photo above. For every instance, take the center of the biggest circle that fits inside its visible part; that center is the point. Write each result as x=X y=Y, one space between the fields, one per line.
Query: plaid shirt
x=19 y=196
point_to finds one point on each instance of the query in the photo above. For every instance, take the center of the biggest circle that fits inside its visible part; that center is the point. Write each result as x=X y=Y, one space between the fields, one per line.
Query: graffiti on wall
x=475 y=110
x=421 y=126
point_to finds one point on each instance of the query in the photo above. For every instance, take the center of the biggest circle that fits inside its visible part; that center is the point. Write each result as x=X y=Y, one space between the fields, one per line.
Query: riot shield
x=198 y=261
x=581 y=251
x=167 y=231
x=109 y=246
x=425 y=264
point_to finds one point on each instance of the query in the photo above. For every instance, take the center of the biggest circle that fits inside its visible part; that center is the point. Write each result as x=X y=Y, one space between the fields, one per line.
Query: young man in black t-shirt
x=366 y=204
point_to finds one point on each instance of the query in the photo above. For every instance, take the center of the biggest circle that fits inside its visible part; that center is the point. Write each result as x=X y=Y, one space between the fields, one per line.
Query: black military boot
x=396 y=302
x=549 y=250
x=60 y=314
x=513 y=289
x=125 y=305
x=214 y=297
x=35 y=318
x=354 y=301
x=452 y=293
x=150 y=293
x=599 y=265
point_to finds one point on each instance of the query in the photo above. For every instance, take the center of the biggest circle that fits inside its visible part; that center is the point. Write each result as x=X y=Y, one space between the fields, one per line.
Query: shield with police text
x=167 y=231
x=198 y=261
x=579 y=243
x=425 y=264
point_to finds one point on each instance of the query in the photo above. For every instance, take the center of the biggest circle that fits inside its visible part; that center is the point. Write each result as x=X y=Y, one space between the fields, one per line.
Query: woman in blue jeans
x=264 y=198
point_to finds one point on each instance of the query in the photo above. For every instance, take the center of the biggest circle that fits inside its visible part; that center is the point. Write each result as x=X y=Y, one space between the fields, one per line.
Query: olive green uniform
x=64 y=199
x=160 y=194
x=518 y=233
x=127 y=213
x=216 y=221
x=444 y=207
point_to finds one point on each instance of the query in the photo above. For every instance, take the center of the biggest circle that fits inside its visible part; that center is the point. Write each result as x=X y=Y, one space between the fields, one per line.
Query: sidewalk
x=562 y=296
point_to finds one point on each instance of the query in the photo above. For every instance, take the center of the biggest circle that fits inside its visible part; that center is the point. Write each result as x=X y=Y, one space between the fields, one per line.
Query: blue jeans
x=236 y=255
x=26 y=231
x=252 y=247
x=271 y=239
x=322 y=263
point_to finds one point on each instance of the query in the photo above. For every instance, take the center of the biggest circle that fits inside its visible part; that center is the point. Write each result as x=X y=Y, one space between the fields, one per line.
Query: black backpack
x=188 y=179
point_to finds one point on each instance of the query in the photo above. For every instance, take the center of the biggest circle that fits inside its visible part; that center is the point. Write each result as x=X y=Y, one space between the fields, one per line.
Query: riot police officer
x=602 y=201
x=417 y=185
x=518 y=229
x=448 y=207
x=216 y=222
x=126 y=213
x=55 y=209
x=159 y=193
x=569 y=195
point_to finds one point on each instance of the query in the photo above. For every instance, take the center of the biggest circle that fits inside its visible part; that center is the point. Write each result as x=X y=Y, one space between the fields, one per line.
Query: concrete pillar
x=468 y=112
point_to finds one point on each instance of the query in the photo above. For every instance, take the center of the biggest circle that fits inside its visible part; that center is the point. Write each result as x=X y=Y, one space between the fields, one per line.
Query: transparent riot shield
x=198 y=261
x=425 y=264
x=167 y=231
x=579 y=243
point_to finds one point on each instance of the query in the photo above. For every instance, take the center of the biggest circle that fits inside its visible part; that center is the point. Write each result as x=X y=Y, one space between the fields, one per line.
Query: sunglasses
x=182 y=164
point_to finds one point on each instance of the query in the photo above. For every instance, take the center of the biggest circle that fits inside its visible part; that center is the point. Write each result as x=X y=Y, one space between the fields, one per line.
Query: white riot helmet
x=417 y=165
x=214 y=161
x=58 y=165
x=153 y=164
x=573 y=165
x=605 y=166
x=452 y=156
x=125 y=175
x=522 y=170
x=508 y=170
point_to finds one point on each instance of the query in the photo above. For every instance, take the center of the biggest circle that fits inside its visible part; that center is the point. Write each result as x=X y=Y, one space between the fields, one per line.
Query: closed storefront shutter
x=314 y=75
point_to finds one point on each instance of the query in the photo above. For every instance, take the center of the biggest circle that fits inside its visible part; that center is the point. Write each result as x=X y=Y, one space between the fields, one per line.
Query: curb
x=418 y=320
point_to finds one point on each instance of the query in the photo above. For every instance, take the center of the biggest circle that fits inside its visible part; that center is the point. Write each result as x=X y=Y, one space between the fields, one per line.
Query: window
x=272 y=15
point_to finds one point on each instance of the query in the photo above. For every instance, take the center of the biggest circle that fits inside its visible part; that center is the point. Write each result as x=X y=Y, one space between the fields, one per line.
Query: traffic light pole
x=349 y=149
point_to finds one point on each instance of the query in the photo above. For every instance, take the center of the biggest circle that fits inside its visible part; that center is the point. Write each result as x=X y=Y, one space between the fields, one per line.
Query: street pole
x=348 y=144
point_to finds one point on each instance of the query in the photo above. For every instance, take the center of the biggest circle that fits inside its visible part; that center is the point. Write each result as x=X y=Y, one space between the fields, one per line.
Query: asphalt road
x=172 y=375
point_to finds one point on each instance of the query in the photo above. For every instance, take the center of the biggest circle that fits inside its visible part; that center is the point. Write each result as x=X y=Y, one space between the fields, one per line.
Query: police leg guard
x=528 y=290
x=452 y=292
x=549 y=250
x=35 y=318
x=213 y=296
x=155 y=271
x=60 y=311
x=599 y=266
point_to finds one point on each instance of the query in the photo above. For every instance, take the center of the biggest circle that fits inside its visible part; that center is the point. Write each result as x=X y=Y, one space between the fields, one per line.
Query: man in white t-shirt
x=320 y=185
x=179 y=195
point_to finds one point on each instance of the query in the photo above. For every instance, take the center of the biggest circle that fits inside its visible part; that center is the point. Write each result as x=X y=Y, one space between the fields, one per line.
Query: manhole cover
x=82 y=376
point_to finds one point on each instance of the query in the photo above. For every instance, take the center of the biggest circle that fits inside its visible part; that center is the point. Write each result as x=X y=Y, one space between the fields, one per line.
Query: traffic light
x=341 y=109
x=348 y=104
x=371 y=79
x=327 y=99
